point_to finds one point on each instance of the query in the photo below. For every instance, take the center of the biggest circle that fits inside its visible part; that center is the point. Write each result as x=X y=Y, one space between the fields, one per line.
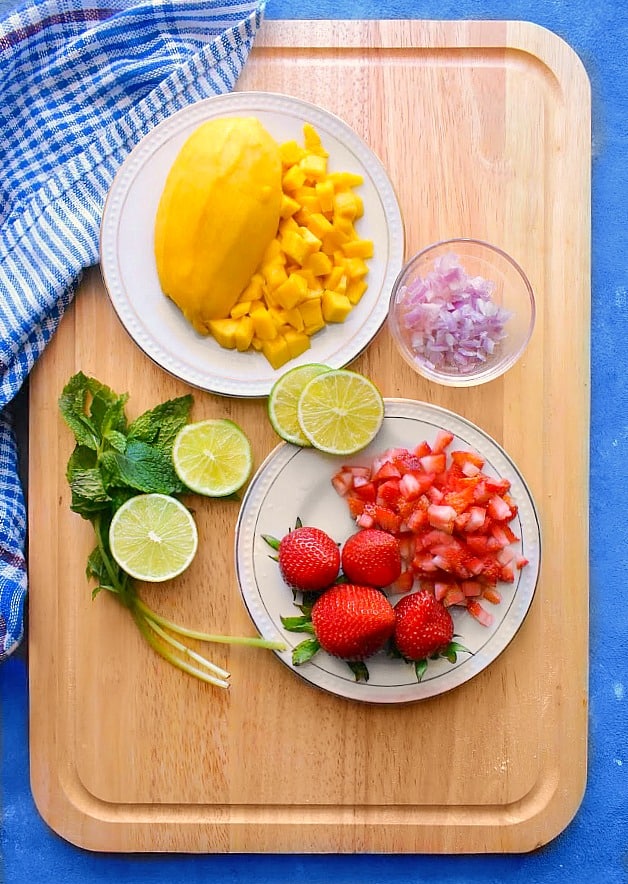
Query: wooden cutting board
x=485 y=131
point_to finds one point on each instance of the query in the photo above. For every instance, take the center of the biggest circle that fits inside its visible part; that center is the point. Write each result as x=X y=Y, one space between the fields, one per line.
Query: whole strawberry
x=352 y=621
x=423 y=628
x=309 y=560
x=371 y=556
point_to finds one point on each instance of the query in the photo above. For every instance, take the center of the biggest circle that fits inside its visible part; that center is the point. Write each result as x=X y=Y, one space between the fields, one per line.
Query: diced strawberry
x=365 y=519
x=452 y=560
x=463 y=457
x=414 y=483
x=500 y=536
x=423 y=563
x=505 y=556
x=477 y=544
x=441 y=589
x=507 y=574
x=476 y=610
x=417 y=520
x=491 y=571
x=477 y=515
x=460 y=523
x=407 y=545
x=365 y=490
x=342 y=482
x=435 y=494
x=521 y=562
x=497 y=486
x=434 y=538
x=454 y=596
x=443 y=440
x=471 y=588
x=441 y=517
x=388 y=470
x=459 y=500
x=498 y=509
x=387 y=519
x=356 y=506
x=422 y=449
x=433 y=463
x=389 y=494
x=492 y=595
x=470 y=469
x=404 y=582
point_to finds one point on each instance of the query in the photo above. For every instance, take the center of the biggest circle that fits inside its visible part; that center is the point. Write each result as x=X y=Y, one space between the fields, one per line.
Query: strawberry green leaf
x=359 y=670
x=420 y=668
x=305 y=651
x=271 y=541
x=298 y=624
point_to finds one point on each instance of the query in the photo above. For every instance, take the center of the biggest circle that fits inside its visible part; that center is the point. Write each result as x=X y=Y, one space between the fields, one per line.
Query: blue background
x=595 y=845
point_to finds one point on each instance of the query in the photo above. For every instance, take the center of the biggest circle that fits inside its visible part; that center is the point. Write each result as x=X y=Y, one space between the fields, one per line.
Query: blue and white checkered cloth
x=81 y=81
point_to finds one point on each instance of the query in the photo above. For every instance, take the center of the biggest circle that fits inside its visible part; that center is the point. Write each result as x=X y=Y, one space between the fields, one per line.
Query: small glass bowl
x=461 y=312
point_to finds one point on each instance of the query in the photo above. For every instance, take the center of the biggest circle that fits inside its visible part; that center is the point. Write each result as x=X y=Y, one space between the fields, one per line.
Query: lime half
x=212 y=457
x=340 y=411
x=153 y=537
x=283 y=400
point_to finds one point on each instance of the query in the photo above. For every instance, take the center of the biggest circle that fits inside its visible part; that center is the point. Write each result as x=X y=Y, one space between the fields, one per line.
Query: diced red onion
x=449 y=319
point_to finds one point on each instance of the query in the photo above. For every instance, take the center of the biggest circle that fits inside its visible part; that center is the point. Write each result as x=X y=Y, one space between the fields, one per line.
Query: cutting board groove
x=485 y=131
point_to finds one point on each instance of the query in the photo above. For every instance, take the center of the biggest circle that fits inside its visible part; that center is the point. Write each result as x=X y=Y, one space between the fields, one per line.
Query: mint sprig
x=112 y=461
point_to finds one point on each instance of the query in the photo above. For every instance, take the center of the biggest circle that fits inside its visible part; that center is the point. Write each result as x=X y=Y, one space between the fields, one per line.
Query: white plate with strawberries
x=468 y=536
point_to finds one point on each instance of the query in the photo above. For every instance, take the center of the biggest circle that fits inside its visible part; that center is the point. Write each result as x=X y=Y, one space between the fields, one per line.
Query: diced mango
x=291 y=153
x=224 y=331
x=335 y=306
x=312 y=315
x=319 y=225
x=314 y=167
x=298 y=342
x=318 y=263
x=358 y=248
x=292 y=291
x=312 y=140
x=244 y=333
x=325 y=193
x=241 y=308
x=355 y=290
x=288 y=207
x=356 y=268
x=299 y=245
x=276 y=351
x=263 y=326
x=293 y=179
x=274 y=274
x=333 y=279
x=294 y=319
x=345 y=180
x=286 y=225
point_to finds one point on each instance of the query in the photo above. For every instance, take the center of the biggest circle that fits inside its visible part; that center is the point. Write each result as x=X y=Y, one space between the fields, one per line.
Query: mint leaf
x=88 y=492
x=141 y=467
x=160 y=425
x=72 y=404
x=115 y=439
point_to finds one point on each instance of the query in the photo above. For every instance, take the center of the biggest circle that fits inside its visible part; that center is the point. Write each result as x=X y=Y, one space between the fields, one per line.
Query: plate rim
x=157 y=137
x=360 y=689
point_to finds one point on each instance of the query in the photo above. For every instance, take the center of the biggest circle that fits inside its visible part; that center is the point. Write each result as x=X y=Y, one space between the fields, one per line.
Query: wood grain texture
x=485 y=131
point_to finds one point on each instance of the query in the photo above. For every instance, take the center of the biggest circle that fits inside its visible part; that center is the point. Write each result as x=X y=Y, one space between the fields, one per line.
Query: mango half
x=218 y=212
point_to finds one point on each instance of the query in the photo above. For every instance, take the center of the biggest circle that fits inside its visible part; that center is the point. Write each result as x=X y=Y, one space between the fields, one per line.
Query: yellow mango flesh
x=217 y=215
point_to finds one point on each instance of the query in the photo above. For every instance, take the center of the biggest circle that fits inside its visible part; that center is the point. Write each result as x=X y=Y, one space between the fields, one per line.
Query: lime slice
x=153 y=537
x=212 y=457
x=283 y=399
x=340 y=411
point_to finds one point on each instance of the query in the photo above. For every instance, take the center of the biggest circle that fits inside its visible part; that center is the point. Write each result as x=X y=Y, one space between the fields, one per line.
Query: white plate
x=296 y=482
x=128 y=264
